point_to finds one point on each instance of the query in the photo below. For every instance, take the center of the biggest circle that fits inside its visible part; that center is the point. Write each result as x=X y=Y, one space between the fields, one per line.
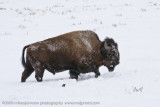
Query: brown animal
x=78 y=52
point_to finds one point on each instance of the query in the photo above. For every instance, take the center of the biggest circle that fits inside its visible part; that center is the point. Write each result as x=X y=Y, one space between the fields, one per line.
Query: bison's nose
x=111 y=69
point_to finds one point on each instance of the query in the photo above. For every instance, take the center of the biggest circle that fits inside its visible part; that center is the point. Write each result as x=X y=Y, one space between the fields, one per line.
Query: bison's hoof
x=23 y=79
x=74 y=77
x=39 y=79
x=97 y=75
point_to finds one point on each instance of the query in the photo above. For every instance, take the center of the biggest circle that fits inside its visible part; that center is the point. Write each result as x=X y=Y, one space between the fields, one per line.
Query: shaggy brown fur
x=78 y=51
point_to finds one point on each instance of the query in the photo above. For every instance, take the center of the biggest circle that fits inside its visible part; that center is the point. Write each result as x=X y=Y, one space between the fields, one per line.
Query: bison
x=77 y=51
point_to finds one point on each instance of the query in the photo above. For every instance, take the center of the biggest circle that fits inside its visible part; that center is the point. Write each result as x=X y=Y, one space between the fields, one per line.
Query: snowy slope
x=134 y=24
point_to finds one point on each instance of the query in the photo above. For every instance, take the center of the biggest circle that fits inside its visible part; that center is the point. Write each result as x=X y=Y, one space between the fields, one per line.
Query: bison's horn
x=106 y=46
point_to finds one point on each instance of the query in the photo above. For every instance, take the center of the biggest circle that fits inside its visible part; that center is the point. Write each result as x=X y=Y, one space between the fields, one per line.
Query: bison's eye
x=109 y=45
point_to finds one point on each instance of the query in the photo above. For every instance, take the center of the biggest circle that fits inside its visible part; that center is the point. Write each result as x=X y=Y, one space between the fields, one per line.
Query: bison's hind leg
x=27 y=72
x=73 y=74
x=38 y=68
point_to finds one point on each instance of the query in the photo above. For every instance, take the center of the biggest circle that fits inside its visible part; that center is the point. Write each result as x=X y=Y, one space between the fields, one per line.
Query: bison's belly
x=85 y=70
x=59 y=67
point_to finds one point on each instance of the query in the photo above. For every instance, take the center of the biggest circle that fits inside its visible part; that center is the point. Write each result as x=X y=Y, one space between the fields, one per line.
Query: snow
x=51 y=47
x=134 y=25
x=86 y=43
x=34 y=48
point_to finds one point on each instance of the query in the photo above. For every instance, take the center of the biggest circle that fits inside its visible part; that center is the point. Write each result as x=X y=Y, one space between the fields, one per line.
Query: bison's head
x=110 y=53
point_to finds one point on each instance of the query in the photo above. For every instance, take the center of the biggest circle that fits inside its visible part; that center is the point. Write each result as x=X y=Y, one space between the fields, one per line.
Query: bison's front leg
x=73 y=74
x=96 y=71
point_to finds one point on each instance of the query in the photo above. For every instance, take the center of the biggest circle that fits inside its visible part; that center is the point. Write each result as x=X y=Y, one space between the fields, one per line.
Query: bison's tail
x=23 y=59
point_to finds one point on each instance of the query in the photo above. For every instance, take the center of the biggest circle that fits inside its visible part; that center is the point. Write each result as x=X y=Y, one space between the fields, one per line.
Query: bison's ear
x=106 y=46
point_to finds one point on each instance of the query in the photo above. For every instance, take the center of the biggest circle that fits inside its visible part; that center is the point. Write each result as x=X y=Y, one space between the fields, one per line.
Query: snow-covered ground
x=135 y=26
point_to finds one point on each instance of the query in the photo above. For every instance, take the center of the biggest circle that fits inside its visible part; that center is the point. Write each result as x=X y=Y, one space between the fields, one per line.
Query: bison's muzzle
x=111 y=69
